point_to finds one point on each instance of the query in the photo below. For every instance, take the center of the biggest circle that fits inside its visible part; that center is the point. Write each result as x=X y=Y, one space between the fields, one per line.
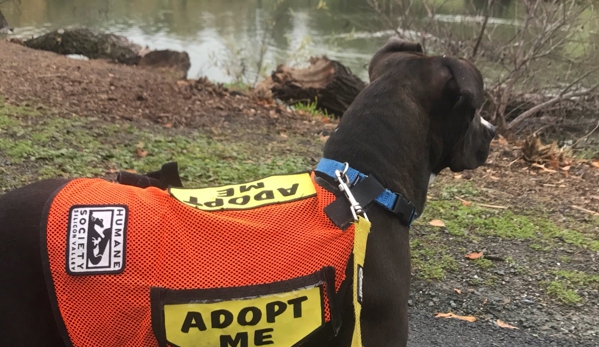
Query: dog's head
x=449 y=90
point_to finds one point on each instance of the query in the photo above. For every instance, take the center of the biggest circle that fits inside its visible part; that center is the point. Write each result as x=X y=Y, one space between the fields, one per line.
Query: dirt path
x=536 y=227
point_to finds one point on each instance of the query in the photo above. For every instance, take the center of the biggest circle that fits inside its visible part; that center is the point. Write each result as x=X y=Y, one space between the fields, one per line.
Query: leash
x=360 y=190
x=361 y=231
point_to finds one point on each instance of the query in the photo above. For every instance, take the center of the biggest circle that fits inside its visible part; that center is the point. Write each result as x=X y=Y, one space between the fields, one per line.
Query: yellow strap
x=361 y=231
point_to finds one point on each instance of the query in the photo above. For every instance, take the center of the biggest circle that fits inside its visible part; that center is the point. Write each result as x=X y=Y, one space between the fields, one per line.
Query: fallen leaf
x=502 y=140
x=463 y=201
x=141 y=153
x=505 y=325
x=457 y=290
x=485 y=301
x=595 y=164
x=474 y=255
x=453 y=315
x=131 y=171
x=437 y=223
x=543 y=168
x=168 y=125
x=554 y=163
x=457 y=176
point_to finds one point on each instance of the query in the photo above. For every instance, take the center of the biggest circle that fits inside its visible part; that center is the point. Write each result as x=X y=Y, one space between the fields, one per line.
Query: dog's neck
x=386 y=144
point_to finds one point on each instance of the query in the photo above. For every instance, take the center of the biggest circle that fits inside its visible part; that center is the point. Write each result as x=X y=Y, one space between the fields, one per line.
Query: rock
x=167 y=59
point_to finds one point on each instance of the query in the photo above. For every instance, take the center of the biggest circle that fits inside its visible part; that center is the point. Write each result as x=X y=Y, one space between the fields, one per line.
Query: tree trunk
x=4 y=27
x=327 y=82
x=88 y=43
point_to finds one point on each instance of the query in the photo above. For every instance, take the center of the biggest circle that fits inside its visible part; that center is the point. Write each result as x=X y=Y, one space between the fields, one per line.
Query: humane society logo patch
x=96 y=239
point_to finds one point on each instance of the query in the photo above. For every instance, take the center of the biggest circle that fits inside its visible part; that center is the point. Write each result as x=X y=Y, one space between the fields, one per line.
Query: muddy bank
x=113 y=91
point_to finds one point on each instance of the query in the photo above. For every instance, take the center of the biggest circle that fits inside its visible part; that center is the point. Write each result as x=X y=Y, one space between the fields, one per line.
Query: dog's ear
x=393 y=45
x=468 y=86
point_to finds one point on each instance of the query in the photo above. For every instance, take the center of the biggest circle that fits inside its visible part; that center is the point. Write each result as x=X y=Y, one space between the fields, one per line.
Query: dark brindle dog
x=417 y=117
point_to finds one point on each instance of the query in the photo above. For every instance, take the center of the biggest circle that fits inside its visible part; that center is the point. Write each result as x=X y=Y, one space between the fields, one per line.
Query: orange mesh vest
x=138 y=267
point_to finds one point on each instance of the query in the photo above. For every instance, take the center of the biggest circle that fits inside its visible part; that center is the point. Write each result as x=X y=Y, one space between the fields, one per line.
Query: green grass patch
x=50 y=146
x=560 y=291
x=567 y=283
x=310 y=108
x=237 y=85
x=540 y=248
x=474 y=221
x=483 y=263
x=430 y=260
x=466 y=189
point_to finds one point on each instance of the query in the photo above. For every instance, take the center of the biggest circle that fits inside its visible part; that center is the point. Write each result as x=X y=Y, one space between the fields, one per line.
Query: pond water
x=225 y=38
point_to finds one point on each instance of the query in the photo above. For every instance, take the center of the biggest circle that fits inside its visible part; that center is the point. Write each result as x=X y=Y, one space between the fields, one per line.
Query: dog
x=417 y=117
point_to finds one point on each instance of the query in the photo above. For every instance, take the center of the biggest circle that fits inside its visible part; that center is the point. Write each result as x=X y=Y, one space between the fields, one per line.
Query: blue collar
x=392 y=201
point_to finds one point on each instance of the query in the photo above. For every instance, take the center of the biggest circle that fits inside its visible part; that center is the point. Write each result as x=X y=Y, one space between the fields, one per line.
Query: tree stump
x=327 y=82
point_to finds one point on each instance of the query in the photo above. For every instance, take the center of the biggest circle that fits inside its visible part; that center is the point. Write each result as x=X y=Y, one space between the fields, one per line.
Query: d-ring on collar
x=394 y=202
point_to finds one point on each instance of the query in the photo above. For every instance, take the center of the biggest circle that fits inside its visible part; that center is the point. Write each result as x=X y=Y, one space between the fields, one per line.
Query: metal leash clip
x=355 y=207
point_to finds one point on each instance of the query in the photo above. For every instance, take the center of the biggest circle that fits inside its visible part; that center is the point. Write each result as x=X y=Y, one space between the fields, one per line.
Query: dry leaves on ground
x=453 y=315
x=437 y=223
x=505 y=325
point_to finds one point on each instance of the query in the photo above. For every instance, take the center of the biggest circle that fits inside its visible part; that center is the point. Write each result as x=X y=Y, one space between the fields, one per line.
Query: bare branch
x=586 y=136
x=544 y=105
x=482 y=29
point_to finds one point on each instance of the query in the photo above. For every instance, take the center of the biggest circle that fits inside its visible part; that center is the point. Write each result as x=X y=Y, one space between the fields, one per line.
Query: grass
x=484 y=263
x=475 y=221
x=561 y=292
x=568 y=283
x=34 y=147
x=430 y=261
x=238 y=86
x=311 y=109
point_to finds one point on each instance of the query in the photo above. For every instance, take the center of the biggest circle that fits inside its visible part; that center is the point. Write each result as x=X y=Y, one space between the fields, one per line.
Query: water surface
x=226 y=38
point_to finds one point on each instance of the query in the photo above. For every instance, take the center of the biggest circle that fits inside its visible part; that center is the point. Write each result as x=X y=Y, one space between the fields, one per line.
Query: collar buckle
x=406 y=209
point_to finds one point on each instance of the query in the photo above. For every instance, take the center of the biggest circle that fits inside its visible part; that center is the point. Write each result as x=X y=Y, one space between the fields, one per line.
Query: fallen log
x=88 y=43
x=116 y=48
x=332 y=86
